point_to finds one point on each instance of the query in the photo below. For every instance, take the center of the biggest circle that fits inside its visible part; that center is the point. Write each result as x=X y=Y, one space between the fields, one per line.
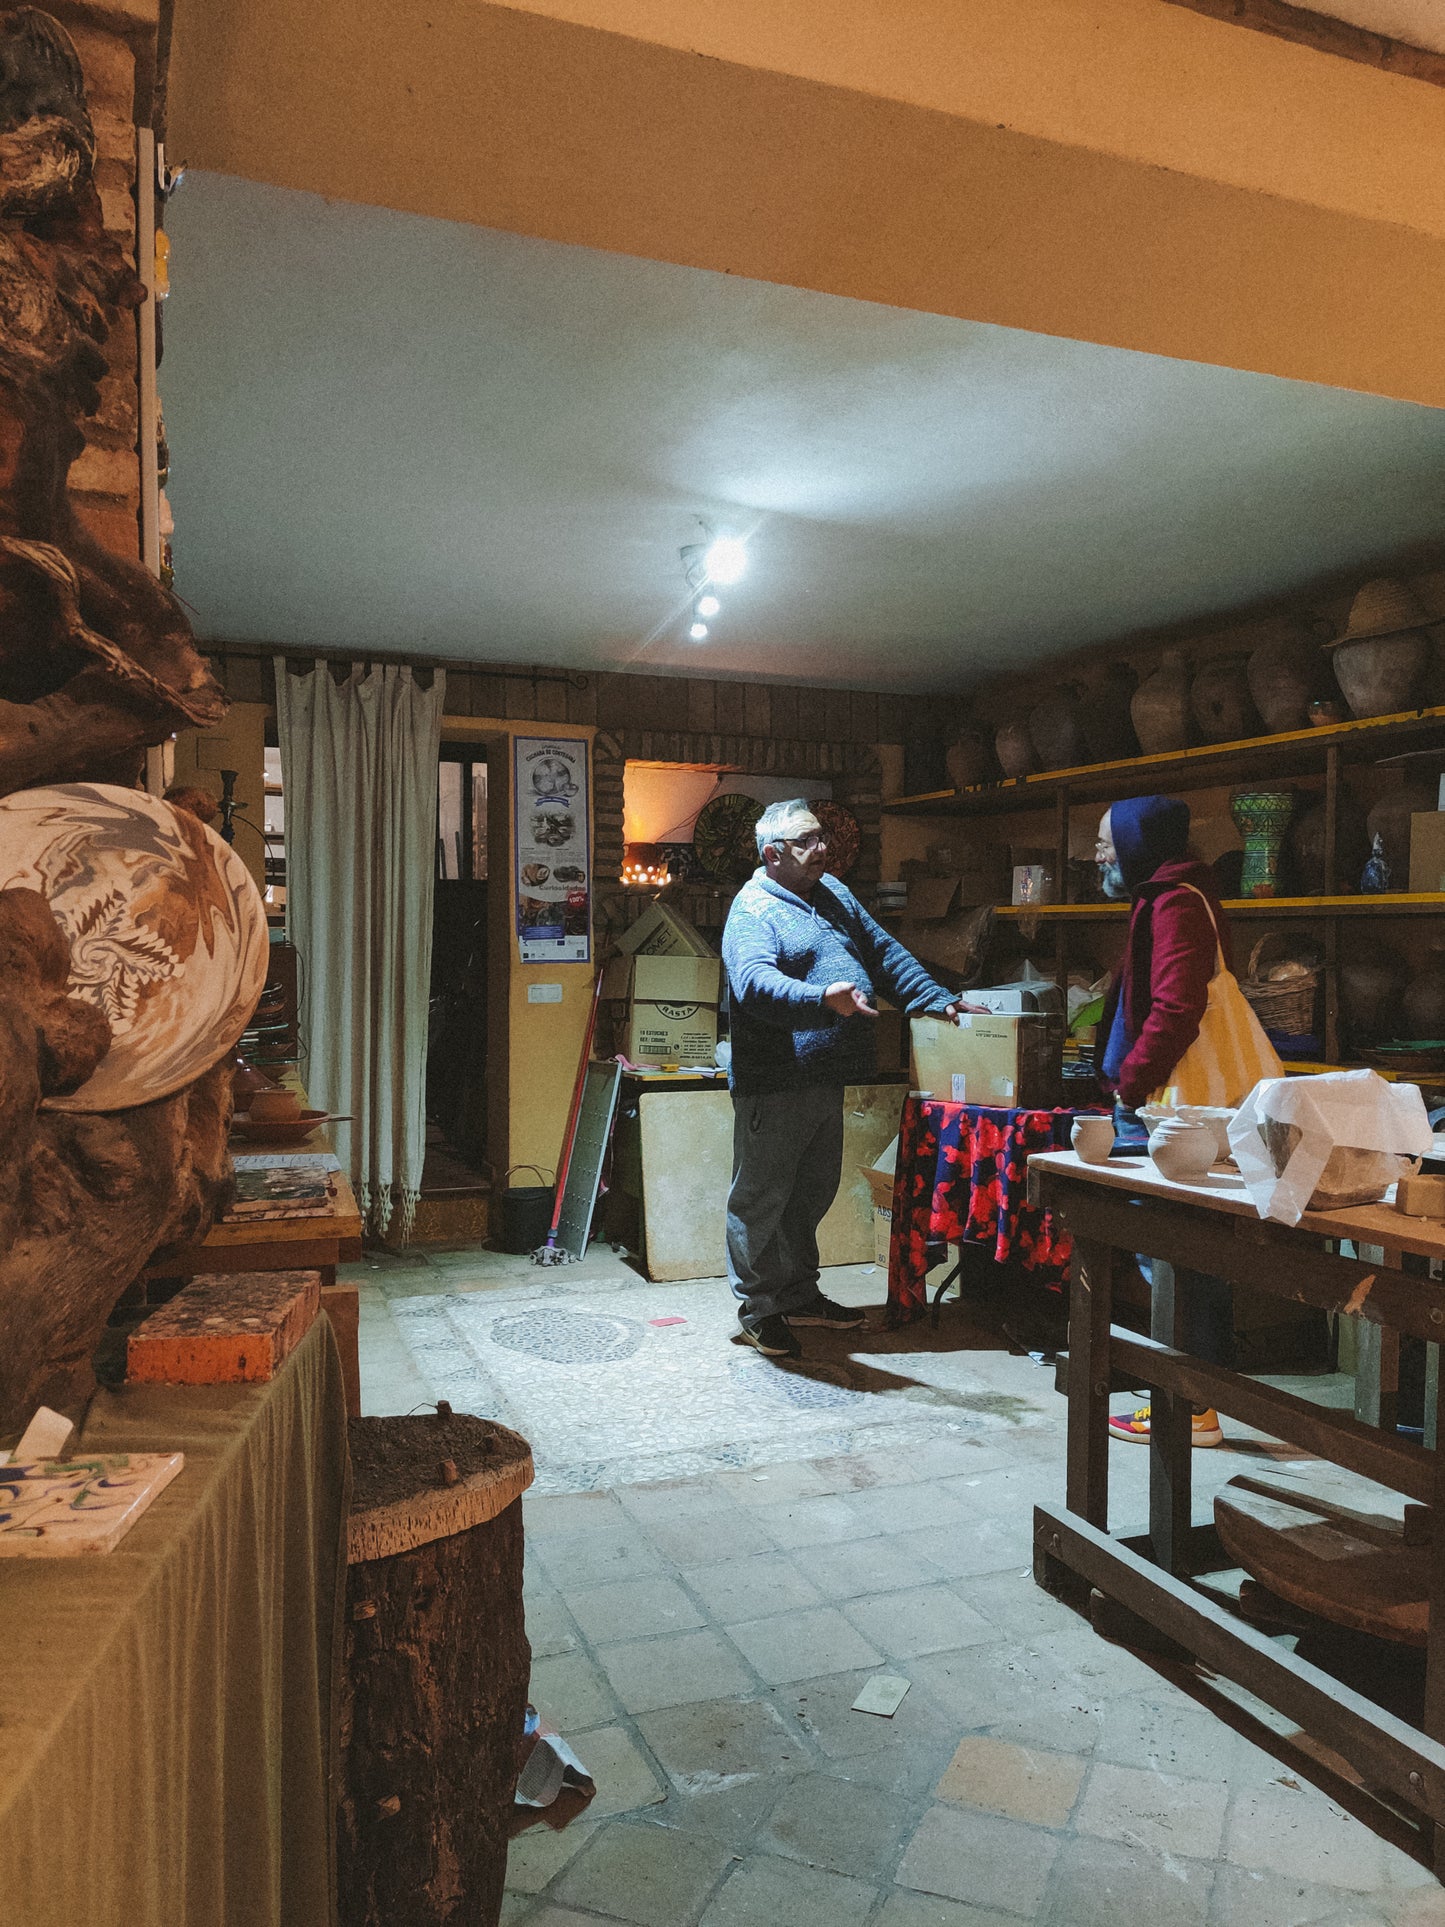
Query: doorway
x=456 y=1078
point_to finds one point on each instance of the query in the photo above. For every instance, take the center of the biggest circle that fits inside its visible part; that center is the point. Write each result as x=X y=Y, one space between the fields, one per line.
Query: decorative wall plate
x=723 y=837
x=167 y=930
x=845 y=839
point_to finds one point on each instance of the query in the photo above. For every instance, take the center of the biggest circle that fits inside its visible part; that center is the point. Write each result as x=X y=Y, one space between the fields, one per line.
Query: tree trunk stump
x=437 y=1666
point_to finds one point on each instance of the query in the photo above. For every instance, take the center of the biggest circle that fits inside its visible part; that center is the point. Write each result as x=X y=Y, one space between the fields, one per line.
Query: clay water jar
x=1054 y=730
x=1183 y=1152
x=1160 y=707
x=1014 y=748
x=1220 y=701
x=1381 y=659
x=1282 y=677
x=1352 y=846
x=1104 y=718
x=969 y=758
x=274 y=1107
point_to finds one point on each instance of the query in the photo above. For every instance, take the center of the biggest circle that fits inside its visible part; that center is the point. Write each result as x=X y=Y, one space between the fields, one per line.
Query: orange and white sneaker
x=1134 y=1427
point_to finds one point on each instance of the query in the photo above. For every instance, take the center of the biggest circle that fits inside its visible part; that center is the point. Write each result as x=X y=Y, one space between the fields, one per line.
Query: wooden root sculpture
x=86 y=1197
x=97 y=659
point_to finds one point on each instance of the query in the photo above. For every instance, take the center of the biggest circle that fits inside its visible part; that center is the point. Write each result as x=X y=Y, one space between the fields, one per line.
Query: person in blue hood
x=1156 y=1004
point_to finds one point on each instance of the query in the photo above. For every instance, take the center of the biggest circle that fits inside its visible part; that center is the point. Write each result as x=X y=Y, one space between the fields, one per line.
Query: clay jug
x=1104 y=716
x=1381 y=659
x=1054 y=730
x=1389 y=819
x=1422 y=1012
x=1221 y=702
x=1370 y=991
x=1307 y=847
x=1014 y=747
x=1160 y=709
x=969 y=758
x=1282 y=675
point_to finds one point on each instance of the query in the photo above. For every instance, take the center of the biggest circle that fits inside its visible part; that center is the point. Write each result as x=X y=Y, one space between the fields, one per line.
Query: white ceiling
x=397 y=434
x=1419 y=23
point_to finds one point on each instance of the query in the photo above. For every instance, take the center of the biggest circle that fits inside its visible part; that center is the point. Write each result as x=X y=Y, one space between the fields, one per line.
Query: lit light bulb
x=709 y=606
x=698 y=632
x=725 y=560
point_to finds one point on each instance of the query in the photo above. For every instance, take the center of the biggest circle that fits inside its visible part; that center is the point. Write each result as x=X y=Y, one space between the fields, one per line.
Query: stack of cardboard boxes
x=671 y=984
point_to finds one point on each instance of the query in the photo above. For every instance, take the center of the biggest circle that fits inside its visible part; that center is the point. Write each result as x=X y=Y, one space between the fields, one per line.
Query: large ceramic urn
x=1381 y=659
x=1221 y=701
x=1283 y=673
x=1014 y=748
x=1054 y=729
x=1160 y=707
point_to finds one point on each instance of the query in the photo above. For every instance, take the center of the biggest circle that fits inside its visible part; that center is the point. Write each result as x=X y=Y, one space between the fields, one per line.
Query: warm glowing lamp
x=644 y=866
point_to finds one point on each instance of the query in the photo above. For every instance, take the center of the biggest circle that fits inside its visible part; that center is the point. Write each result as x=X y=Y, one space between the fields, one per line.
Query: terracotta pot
x=969 y=758
x=1389 y=819
x=1352 y=846
x=1182 y=1152
x=1422 y=1010
x=1104 y=716
x=1370 y=992
x=1283 y=676
x=1160 y=708
x=1054 y=730
x=1381 y=675
x=245 y=1081
x=1221 y=702
x=1014 y=748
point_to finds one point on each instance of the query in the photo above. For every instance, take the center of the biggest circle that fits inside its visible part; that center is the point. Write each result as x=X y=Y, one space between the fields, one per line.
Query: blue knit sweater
x=781 y=953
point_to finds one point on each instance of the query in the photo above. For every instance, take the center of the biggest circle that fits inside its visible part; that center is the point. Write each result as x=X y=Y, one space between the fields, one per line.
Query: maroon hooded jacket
x=1169 y=957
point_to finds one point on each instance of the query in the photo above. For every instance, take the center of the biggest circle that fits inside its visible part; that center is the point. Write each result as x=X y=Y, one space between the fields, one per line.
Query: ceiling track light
x=698 y=632
x=720 y=560
x=707 y=606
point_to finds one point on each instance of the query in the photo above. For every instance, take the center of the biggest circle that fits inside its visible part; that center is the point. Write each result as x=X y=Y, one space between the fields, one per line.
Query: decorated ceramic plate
x=723 y=837
x=167 y=930
x=845 y=839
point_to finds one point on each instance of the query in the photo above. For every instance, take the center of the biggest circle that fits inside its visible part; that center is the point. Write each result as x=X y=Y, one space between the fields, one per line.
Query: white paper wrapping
x=1338 y=1112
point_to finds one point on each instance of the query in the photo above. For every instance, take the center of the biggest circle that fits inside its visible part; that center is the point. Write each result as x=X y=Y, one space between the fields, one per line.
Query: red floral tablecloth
x=962 y=1176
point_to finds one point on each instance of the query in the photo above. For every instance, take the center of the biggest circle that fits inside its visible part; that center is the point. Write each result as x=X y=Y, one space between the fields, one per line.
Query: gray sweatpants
x=787 y=1161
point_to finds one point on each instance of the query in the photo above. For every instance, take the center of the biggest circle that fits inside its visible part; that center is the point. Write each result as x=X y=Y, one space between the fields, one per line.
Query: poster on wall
x=550 y=835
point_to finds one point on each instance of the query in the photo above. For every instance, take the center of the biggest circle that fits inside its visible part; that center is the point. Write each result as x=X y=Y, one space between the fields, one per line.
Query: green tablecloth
x=167 y=1710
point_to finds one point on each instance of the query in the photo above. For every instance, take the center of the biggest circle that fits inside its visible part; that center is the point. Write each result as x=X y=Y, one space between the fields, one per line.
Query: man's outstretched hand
x=848 y=1001
x=956 y=1009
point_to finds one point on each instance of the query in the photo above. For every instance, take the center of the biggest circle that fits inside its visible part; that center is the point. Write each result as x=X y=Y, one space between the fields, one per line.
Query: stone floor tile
x=1305 y=1837
x=550 y=1627
x=864 y=1566
x=633 y=1609
x=705 y=1539
x=1106 y=1883
x=577 y=1560
x=802 y=1644
x=768 y=1582
x=1245 y=1897
x=988 y=1862
x=673 y=1668
x=929 y=1619
x=731 y=1811
x=983 y=1546
x=1156 y=1810
x=909 y=1909
x=812 y=1522
x=546 y=1515
x=672 y=1499
x=835 y=1823
x=571 y=1693
x=625 y=1778
x=1022 y=1783
x=765 y=1892
x=918 y=1731
x=549 y=1916
x=514 y=1908
x=1009 y=1597
x=704 y=1745
x=540 y=1853
x=1171 y=1735
x=776 y=1484
x=911 y=1508
x=654 y=1876
x=1003 y=1689
x=1425 y=1907
x=939 y=1458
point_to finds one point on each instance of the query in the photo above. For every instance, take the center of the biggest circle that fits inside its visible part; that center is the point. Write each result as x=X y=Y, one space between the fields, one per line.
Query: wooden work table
x=1125 y=1206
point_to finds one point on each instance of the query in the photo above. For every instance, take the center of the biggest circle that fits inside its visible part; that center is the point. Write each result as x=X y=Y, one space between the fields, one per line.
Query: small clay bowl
x=289 y=1130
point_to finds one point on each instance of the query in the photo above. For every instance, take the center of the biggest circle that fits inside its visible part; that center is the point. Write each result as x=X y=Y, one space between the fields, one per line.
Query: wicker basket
x=1286 y=1008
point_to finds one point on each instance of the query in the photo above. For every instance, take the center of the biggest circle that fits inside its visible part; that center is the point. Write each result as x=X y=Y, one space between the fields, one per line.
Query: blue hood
x=1148 y=831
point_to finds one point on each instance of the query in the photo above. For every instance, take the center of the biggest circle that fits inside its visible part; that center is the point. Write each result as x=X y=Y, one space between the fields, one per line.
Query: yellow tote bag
x=1231 y=1054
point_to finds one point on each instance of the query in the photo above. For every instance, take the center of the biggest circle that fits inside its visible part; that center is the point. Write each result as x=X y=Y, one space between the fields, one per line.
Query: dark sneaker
x=772 y=1338
x=833 y=1317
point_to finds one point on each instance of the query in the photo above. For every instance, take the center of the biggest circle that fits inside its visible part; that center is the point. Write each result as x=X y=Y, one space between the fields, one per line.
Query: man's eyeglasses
x=805 y=845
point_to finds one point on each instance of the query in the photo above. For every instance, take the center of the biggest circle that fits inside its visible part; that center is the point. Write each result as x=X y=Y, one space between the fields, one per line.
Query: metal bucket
x=525 y=1216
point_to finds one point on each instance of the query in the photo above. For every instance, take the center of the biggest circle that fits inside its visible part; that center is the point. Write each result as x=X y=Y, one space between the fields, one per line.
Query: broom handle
x=564 y=1162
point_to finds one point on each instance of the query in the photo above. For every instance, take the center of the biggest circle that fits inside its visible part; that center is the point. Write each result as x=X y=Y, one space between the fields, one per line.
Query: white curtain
x=359 y=772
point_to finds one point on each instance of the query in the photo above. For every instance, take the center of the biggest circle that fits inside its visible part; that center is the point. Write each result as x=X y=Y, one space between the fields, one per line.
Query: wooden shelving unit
x=1317 y=753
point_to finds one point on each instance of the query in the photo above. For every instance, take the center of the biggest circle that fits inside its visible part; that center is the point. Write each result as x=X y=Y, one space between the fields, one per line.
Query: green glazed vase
x=1262 y=818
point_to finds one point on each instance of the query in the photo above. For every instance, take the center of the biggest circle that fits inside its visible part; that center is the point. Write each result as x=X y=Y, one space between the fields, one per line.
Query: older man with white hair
x=803 y=959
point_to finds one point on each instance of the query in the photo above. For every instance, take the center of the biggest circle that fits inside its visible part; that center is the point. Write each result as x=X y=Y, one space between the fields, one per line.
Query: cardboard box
x=879 y=1178
x=1427 y=850
x=1012 y=1061
x=672 y=1011
x=658 y=932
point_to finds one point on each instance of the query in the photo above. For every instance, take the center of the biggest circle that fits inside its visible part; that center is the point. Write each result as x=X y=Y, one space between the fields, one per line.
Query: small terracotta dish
x=290 y=1130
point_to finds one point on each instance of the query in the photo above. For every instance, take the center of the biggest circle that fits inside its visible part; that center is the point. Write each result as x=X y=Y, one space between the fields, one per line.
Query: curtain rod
x=574 y=678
